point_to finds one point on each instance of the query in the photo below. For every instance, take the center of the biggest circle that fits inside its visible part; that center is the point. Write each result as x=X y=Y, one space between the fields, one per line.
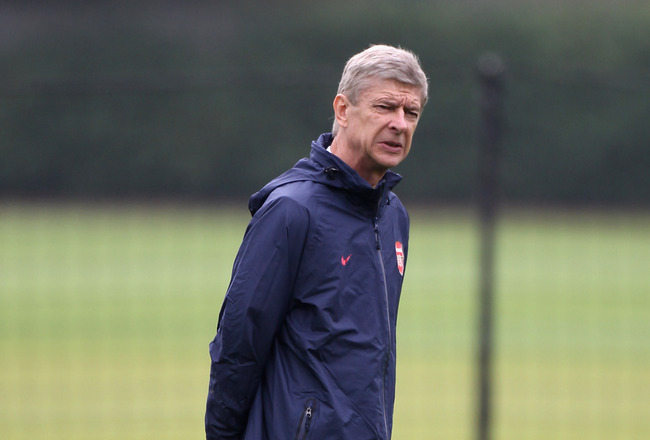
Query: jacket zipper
x=305 y=421
x=390 y=336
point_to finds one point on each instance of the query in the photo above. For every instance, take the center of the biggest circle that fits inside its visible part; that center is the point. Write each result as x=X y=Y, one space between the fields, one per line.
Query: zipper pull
x=377 y=233
x=307 y=418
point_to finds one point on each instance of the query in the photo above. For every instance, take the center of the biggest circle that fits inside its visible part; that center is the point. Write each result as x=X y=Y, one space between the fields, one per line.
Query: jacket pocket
x=306 y=420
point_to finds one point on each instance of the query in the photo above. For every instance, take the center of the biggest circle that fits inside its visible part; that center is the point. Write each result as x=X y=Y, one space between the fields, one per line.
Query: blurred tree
x=212 y=99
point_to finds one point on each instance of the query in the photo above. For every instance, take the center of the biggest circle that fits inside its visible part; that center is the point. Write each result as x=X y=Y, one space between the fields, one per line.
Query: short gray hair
x=381 y=62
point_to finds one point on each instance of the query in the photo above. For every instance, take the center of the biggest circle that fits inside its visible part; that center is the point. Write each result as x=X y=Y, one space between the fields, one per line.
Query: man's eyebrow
x=397 y=100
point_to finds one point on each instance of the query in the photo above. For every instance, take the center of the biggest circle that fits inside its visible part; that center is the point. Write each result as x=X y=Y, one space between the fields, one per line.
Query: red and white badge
x=399 y=251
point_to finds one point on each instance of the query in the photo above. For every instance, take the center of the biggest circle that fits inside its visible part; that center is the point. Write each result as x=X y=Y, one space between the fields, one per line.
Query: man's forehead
x=386 y=88
x=408 y=98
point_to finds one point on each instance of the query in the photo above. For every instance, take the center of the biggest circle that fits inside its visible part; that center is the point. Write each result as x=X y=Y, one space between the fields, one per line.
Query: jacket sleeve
x=253 y=311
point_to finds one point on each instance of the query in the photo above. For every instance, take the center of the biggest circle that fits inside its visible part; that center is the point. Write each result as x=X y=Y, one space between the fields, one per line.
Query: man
x=305 y=345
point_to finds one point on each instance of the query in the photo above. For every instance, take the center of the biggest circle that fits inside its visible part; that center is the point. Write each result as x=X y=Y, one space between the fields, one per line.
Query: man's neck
x=342 y=152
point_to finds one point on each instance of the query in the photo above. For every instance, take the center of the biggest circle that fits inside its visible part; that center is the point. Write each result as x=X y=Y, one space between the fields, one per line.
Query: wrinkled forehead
x=378 y=88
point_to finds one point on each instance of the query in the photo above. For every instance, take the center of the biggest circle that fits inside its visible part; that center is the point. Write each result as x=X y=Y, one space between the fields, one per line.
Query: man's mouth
x=392 y=144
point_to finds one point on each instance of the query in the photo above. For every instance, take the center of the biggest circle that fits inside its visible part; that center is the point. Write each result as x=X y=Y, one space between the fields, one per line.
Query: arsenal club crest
x=399 y=252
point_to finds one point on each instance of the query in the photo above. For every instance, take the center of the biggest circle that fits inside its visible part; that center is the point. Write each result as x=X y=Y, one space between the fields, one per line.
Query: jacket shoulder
x=301 y=192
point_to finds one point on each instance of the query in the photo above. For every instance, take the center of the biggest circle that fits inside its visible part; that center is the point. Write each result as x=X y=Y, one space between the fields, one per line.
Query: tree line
x=212 y=101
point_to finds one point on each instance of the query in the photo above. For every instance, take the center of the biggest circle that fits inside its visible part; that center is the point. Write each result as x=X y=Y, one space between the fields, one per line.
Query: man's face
x=380 y=126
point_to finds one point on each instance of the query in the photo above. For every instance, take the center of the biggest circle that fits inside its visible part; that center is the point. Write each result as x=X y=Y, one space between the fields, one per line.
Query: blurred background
x=133 y=133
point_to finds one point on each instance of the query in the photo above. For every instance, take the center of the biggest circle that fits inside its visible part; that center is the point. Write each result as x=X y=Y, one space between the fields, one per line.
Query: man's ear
x=341 y=106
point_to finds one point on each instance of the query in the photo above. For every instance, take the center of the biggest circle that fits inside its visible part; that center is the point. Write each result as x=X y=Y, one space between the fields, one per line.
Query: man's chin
x=391 y=161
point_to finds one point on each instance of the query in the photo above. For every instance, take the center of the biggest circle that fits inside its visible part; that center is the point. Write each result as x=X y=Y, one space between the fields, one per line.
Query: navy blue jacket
x=305 y=344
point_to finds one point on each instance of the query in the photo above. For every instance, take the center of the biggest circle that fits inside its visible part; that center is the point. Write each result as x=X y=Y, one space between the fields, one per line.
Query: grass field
x=106 y=313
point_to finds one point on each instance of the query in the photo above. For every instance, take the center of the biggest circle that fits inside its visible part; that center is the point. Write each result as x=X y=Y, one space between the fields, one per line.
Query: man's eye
x=413 y=113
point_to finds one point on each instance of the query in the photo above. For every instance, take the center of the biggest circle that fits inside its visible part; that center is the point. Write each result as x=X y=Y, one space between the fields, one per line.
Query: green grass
x=106 y=313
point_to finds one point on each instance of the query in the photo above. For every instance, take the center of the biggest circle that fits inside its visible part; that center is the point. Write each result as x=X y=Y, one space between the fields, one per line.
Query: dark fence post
x=490 y=72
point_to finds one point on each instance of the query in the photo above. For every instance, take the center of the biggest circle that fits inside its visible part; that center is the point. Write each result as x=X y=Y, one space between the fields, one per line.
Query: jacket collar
x=349 y=179
x=328 y=169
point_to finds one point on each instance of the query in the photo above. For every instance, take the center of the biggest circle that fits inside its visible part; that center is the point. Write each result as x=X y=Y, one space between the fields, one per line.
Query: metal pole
x=490 y=72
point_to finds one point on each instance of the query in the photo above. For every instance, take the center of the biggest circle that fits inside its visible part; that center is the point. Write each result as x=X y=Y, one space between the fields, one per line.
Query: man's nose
x=398 y=121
